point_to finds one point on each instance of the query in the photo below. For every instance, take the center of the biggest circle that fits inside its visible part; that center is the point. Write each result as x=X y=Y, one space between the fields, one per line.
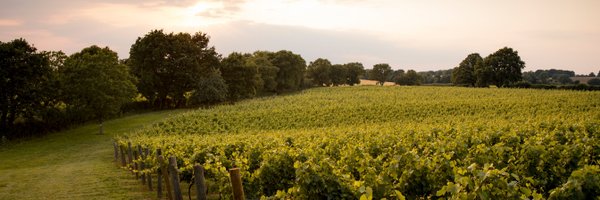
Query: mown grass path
x=73 y=164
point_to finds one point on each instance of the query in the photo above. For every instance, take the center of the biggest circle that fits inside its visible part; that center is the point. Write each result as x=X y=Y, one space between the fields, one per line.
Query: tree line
x=49 y=90
x=45 y=91
x=503 y=69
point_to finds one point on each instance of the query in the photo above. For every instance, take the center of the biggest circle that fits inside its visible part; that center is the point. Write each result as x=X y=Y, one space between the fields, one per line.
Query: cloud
x=337 y=46
x=406 y=34
x=10 y=22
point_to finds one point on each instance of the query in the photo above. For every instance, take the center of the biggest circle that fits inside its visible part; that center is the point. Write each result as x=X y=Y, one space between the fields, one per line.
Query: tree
x=594 y=81
x=169 y=66
x=398 y=76
x=530 y=77
x=338 y=75
x=291 y=70
x=242 y=77
x=209 y=90
x=268 y=72
x=592 y=74
x=436 y=77
x=24 y=73
x=355 y=70
x=484 y=74
x=94 y=82
x=319 y=71
x=380 y=72
x=411 y=77
x=564 y=79
x=464 y=74
x=504 y=67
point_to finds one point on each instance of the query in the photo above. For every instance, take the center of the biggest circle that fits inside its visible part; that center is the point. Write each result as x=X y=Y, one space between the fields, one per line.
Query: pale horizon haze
x=421 y=35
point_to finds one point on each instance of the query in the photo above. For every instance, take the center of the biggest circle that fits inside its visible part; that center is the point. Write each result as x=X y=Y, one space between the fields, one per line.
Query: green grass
x=73 y=164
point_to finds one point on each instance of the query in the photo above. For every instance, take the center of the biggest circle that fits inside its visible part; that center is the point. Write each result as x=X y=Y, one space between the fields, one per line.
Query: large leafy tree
x=95 y=83
x=24 y=74
x=355 y=70
x=319 y=71
x=339 y=74
x=242 y=77
x=380 y=72
x=464 y=74
x=484 y=74
x=398 y=76
x=268 y=72
x=169 y=66
x=504 y=67
x=291 y=70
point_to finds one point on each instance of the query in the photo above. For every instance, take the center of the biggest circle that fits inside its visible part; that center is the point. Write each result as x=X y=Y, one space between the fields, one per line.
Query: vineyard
x=372 y=142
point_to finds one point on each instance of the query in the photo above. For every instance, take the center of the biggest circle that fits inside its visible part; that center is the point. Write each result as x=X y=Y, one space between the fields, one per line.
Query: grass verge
x=73 y=164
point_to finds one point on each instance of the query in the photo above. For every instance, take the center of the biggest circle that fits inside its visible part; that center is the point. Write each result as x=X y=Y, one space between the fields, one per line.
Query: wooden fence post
x=141 y=164
x=129 y=156
x=123 y=161
x=163 y=169
x=149 y=174
x=175 y=178
x=199 y=181
x=159 y=175
x=135 y=164
x=236 y=184
x=116 y=152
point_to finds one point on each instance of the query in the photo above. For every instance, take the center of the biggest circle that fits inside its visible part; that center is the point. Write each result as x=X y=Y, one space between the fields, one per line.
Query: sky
x=407 y=34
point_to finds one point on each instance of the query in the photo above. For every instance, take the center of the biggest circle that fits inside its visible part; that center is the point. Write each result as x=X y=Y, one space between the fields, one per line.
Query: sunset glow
x=423 y=35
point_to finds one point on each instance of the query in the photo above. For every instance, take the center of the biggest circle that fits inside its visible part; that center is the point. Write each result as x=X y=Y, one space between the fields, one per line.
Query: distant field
x=393 y=142
x=371 y=82
x=582 y=79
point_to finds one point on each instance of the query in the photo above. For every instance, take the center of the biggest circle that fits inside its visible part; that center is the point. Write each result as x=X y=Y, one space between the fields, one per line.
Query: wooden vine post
x=149 y=174
x=236 y=184
x=165 y=175
x=129 y=155
x=123 y=161
x=175 y=178
x=135 y=165
x=199 y=182
x=116 y=151
x=141 y=164
x=159 y=175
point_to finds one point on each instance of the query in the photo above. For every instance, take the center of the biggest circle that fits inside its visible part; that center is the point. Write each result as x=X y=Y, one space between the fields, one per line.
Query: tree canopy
x=504 y=67
x=501 y=68
x=339 y=74
x=266 y=69
x=170 y=65
x=380 y=72
x=319 y=71
x=24 y=73
x=354 y=71
x=411 y=77
x=464 y=74
x=94 y=82
x=241 y=76
x=291 y=70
